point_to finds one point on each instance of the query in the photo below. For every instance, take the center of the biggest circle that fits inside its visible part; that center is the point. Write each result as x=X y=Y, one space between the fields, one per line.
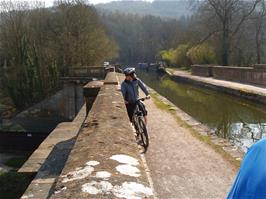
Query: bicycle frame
x=136 y=115
x=140 y=126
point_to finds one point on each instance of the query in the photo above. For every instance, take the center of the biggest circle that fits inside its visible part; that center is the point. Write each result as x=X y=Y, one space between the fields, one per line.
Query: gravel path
x=181 y=166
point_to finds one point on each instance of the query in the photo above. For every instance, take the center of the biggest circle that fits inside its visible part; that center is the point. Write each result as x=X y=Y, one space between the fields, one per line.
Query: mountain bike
x=139 y=124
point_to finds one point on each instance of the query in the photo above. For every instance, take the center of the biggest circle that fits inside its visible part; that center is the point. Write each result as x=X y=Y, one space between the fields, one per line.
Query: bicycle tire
x=143 y=133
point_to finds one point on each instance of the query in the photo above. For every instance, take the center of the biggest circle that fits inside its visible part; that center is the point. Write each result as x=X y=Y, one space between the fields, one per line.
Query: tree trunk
x=225 y=45
x=258 y=48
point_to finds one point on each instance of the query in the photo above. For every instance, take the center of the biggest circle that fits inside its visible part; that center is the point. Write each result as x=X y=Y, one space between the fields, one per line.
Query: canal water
x=241 y=121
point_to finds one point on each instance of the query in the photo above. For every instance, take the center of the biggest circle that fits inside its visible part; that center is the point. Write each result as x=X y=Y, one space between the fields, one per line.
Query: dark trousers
x=131 y=107
x=130 y=110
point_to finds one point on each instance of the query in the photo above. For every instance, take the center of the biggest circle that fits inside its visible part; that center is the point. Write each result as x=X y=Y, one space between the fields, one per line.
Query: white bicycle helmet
x=129 y=71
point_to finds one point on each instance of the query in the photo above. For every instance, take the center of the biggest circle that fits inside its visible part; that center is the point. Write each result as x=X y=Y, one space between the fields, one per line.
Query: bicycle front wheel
x=143 y=133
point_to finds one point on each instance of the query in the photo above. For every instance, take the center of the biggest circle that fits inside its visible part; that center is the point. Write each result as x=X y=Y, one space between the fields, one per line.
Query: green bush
x=168 y=56
x=202 y=54
x=181 y=55
x=176 y=57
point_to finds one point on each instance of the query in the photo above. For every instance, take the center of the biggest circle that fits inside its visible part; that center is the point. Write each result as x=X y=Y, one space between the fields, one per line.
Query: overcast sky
x=50 y=2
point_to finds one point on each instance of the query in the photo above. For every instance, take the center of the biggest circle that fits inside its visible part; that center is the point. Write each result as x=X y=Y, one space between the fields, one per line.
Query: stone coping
x=93 y=84
x=92 y=88
x=111 y=78
x=233 y=67
x=202 y=65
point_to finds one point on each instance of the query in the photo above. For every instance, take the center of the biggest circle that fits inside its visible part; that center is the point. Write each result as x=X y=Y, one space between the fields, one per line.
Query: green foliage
x=13 y=184
x=183 y=55
x=176 y=57
x=202 y=54
x=168 y=56
x=140 y=38
x=80 y=38
x=48 y=42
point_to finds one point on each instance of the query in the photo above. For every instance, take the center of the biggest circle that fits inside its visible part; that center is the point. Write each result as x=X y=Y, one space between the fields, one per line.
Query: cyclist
x=130 y=90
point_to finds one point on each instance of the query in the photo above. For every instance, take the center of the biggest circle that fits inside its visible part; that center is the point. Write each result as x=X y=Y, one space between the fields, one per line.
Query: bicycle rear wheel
x=143 y=133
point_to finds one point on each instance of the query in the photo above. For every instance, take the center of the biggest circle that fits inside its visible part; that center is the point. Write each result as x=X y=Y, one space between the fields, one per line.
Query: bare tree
x=36 y=43
x=224 y=18
x=260 y=23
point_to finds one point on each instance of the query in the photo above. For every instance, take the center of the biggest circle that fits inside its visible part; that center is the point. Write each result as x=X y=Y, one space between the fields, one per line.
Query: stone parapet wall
x=231 y=73
x=249 y=75
x=202 y=70
x=105 y=161
x=240 y=74
x=260 y=67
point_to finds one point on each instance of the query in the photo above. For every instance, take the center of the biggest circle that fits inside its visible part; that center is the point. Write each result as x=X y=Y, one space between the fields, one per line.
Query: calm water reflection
x=241 y=121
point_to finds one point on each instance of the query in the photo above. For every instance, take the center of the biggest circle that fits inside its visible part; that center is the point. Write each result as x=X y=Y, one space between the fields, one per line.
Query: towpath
x=181 y=166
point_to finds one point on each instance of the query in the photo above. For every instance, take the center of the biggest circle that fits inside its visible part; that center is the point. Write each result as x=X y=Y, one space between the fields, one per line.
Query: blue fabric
x=250 y=182
x=130 y=90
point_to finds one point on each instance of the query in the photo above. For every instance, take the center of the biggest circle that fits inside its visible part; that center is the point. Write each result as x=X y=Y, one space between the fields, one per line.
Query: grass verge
x=195 y=133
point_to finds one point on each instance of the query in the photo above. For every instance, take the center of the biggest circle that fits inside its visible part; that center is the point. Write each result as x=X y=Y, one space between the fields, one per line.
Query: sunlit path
x=182 y=166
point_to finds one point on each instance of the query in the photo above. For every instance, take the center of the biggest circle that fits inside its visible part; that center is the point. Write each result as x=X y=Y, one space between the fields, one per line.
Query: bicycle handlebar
x=143 y=98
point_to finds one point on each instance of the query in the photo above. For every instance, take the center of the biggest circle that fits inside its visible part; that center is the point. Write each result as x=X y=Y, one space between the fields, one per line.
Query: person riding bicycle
x=130 y=90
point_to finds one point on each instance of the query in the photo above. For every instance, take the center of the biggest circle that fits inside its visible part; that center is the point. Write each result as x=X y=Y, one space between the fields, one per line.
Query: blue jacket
x=130 y=90
x=250 y=182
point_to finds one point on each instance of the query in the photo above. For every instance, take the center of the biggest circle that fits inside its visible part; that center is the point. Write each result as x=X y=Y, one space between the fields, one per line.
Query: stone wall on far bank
x=250 y=75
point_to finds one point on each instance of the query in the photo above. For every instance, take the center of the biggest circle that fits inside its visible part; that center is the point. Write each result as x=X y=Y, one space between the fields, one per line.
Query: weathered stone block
x=111 y=78
x=90 y=91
